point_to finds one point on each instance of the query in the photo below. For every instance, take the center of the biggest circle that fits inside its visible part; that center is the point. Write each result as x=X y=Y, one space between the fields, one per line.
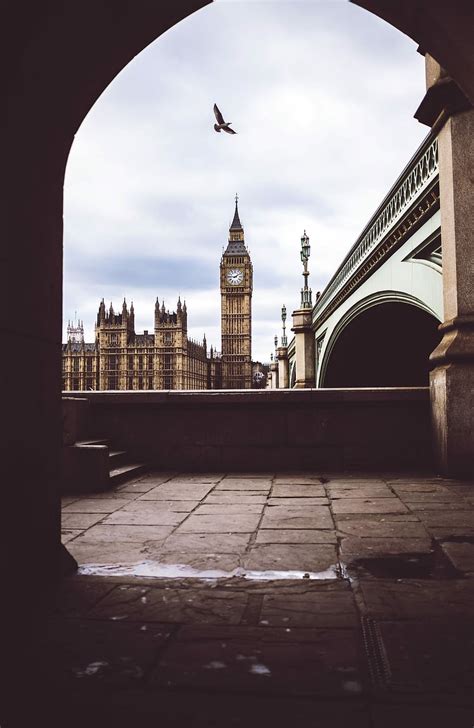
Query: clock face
x=235 y=276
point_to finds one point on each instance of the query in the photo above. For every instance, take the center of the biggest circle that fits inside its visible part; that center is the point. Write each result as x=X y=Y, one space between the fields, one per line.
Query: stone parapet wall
x=265 y=430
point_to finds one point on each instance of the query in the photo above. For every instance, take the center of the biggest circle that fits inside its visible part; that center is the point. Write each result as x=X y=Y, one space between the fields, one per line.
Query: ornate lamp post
x=306 y=293
x=284 y=340
x=302 y=327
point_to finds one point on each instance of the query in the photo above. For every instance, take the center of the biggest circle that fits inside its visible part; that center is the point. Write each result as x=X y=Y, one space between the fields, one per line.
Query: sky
x=322 y=97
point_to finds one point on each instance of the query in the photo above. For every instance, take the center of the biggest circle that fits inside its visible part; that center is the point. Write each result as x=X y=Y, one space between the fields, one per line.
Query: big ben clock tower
x=236 y=309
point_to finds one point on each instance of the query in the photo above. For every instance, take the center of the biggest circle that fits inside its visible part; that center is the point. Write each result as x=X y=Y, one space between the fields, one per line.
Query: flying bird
x=221 y=124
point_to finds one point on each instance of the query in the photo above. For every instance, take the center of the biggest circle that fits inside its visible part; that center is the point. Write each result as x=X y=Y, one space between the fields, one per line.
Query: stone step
x=117 y=457
x=126 y=472
x=92 y=442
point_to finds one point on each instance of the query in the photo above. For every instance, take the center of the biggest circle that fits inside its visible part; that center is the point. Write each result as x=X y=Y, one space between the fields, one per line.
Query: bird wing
x=229 y=130
x=219 y=117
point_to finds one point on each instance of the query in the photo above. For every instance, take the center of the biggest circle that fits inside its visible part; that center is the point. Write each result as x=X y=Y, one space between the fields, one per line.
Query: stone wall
x=266 y=430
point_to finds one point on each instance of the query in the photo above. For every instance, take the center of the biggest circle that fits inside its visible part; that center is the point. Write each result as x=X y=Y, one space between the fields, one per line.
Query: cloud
x=322 y=96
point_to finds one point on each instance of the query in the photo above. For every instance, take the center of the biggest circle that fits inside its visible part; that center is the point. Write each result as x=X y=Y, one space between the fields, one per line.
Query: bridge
x=376 y=322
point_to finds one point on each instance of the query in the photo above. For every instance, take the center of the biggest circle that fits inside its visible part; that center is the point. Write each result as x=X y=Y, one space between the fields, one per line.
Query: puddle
x=433 y=565
x=154 y=569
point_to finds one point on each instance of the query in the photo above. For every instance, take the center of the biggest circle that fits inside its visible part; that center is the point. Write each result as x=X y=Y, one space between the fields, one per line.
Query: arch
x=50 y=85
x=393 y=335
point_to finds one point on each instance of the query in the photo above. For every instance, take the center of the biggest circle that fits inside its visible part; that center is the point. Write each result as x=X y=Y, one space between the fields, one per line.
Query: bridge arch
x=384 y=340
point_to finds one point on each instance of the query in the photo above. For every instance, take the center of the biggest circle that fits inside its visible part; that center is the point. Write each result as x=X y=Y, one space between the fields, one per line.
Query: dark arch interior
x=387 y=345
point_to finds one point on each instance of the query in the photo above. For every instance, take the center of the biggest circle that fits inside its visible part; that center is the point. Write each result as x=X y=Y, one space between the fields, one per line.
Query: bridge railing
x=420 y=171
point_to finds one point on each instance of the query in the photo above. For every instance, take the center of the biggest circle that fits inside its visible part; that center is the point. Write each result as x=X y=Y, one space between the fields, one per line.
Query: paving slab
x=170 y=706
x=199 y=562
x=197 y=478
x=295 y=536
x=178 y=506
x=390 y=715
x=144 y=518
x=67 y=499
x=365 y=528
x=447 y=497
x=289 y=557
x=316 y=518
x=461 y=555
x=444 y=524
x=368 y=505
x=179 y=491
x=235 y=497
x=287 y=490
x=258 y=485
x=208 y=542
x=141 y=486
x=251 y=476
x=407 y=517
x=80 y=520
x=122 y=534
x=415 y=489
x=102 y=652
x=69 y=535
x=410 y=598
x=96 y=505
x=298 y=479
x=417 y=654
x=139 y=603
x=216 y=509
x=323 y=605
x=434 y=505
x=234 y=523
x=76 y=596
x=464 y=491
x=113 y=495
x=355 y=483
x=326 y=666
x=108 y=552
x=353 y=548
x=298 y=502
x=362 y=491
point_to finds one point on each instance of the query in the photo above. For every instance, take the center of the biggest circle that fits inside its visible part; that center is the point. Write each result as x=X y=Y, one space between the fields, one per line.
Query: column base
x=452 y=415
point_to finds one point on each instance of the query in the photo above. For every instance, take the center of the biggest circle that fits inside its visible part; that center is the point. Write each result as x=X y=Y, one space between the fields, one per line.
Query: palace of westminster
x=120 y=359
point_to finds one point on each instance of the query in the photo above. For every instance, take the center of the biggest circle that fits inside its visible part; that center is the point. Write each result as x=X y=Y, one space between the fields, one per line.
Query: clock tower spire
x=236 y=309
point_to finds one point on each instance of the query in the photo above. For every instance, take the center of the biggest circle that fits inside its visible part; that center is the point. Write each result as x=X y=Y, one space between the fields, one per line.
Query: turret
x=101 y=314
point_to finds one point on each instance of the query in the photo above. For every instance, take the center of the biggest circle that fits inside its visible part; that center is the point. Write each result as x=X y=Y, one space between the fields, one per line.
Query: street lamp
x=306 y=293
x=284 y=340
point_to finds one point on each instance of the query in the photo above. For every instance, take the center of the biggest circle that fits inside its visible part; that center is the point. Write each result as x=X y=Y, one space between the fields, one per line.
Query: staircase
x=93 y=465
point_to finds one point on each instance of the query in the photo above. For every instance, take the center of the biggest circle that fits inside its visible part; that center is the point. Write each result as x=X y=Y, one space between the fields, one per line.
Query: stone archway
x=60 y=57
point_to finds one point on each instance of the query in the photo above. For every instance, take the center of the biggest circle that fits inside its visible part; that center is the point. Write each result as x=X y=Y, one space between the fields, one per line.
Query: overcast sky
x=322 y=95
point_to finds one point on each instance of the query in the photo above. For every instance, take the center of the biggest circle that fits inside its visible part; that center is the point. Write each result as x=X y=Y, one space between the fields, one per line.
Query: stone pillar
x=304 y=345
x=452 y=379
x=446 y=108
x=274 y=375
x=283 y=367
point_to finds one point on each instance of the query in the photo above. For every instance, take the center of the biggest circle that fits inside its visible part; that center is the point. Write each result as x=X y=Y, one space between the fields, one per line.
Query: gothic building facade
x=121 y=359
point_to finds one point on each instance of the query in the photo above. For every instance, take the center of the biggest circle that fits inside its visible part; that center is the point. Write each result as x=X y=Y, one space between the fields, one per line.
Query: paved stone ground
x=380 y=635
